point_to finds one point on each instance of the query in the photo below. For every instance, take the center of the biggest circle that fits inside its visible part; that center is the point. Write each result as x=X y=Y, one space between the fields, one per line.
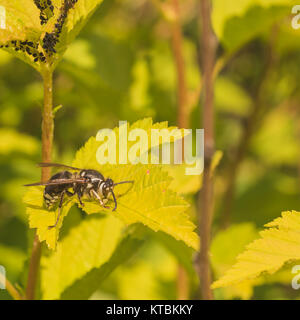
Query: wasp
x=82 y=182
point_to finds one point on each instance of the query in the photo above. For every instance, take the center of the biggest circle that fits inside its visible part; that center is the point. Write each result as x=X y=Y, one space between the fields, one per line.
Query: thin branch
x=47 y=124
x=47 y=140
x=208 y=42
x=176 y=31
x=183 y=286
x=182 y=113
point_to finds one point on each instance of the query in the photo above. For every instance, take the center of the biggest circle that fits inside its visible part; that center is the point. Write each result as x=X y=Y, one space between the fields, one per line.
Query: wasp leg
x=99 y=198
x=59 y=210
x=78 y=192
x=79 y=195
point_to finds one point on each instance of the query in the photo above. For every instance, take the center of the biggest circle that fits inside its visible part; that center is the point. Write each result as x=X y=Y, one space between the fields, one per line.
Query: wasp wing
x=56 y=182
x=57 y=165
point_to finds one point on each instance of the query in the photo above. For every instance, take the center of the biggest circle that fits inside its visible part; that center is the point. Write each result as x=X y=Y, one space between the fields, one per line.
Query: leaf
x=237 y=24
x=150 y=277
x=76 y=20
x=22 y=24
x=224 y=249
x=278 y=129
x=278 y=245
x=148 y=201
x=12 y=258
x=88 y=245
x=179 y=250
x=238 y=102
x=189 y=184
x=39 y=32
x=13 y=141
x=41 y=218
x=83 y=288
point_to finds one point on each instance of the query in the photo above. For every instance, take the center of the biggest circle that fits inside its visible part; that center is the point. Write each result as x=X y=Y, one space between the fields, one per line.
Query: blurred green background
x=122 y=67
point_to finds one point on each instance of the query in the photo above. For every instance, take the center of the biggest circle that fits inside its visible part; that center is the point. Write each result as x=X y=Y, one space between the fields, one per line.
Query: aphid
x=27 y=47
x=82 y=182
x=51 y=39
x=46 y=10
x=49 y=42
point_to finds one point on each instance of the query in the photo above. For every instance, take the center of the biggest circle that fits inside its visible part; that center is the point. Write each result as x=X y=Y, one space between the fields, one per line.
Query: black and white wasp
x=82 y=182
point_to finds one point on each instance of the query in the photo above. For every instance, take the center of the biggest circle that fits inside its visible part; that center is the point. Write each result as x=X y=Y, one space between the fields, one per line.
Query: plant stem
x=206 y=194
x=182 y=115
x=10 y=288
x=47 y=140
x=48 y=123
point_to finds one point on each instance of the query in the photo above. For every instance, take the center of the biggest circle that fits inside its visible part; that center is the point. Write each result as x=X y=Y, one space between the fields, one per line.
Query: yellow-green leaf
x=41 y=218
x=278 y=245
x=189 y=184
x=224 y=249
x=149 y=200
x=88 y=245
x=38 y=32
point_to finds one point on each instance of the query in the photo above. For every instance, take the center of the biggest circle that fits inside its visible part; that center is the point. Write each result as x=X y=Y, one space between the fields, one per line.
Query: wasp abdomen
x=52 y=193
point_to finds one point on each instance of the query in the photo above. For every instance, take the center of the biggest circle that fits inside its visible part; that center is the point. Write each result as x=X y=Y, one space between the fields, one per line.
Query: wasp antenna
x=130 y=181
x=45 y=164
x=115 y=200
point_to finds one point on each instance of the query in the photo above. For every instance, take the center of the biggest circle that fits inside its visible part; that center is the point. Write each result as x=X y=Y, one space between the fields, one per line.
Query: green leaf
x=237 y=24
x=83 y=288
x=278 y=129
x=13 y=141
x=22 y=23
x=150 y=276
x=278 y=245
x=224 y=249
x=179 y=250
x=12 y=258
x=39 y=32
x=189 y=184
x=148 y=201
x=238 y=102
x=76 y=20
x=41 y=218
x=88 y=245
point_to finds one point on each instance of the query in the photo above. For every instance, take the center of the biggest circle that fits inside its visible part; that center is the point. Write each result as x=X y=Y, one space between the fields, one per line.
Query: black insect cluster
x=46 y=10
x=28 y=47
x=51 y=39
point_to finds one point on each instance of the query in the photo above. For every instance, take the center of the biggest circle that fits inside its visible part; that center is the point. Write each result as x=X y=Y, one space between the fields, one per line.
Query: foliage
x=149 y=201
x=40 y=33
x=122 y=67
x=277 y=246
